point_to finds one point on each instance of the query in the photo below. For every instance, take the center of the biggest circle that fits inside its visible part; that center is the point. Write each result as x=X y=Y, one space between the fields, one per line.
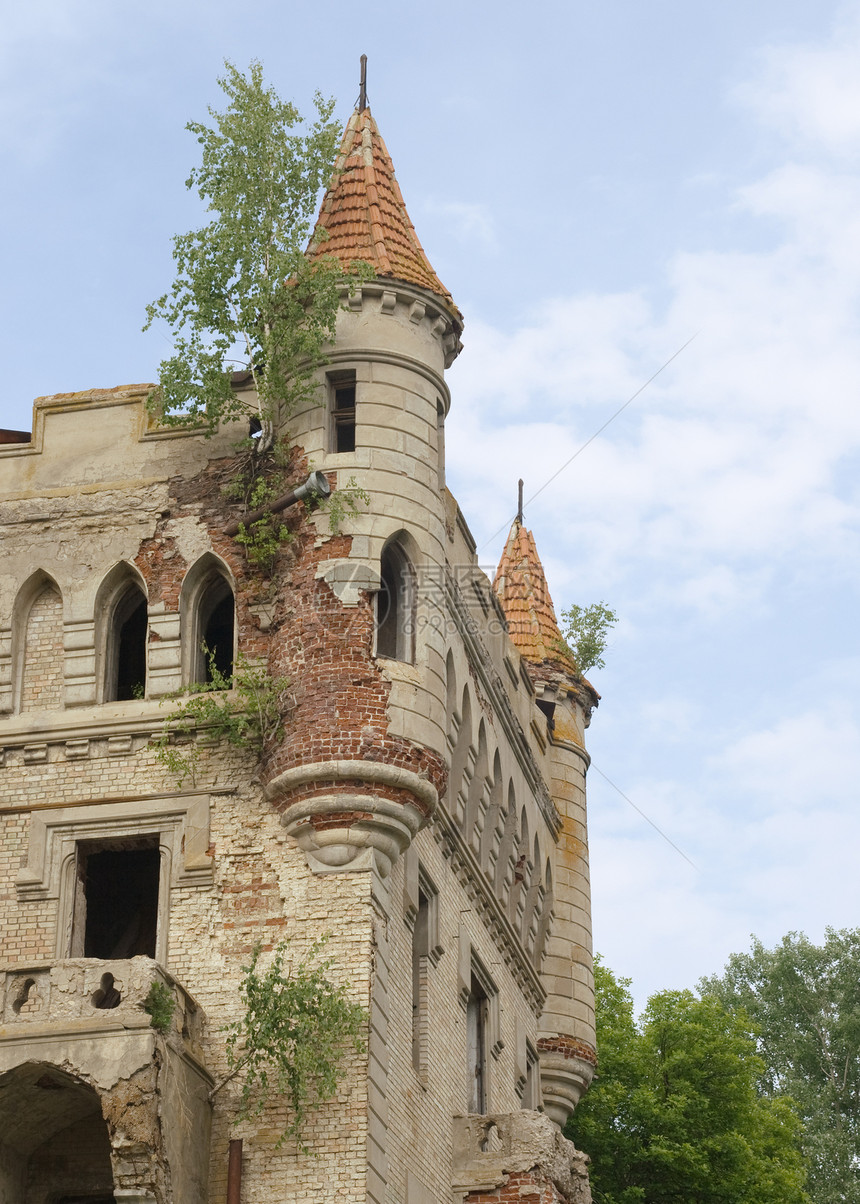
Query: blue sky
x=595 y=184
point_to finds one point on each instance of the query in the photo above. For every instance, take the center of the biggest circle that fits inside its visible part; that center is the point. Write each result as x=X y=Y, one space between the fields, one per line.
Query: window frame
x=342 y=418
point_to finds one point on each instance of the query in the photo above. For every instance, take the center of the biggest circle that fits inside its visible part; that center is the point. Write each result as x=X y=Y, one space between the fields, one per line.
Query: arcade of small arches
x=482 y=802
x=47 y=649
x=119 y=631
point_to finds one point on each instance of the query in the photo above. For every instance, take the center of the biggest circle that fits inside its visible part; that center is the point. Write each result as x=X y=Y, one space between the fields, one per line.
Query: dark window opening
x=394 y=625
x=117 y=900
x=420 y=950
x=476 y=1045
x=343 y=414
x=218 y=635
x=88 y=1200
x=548 y=709
x=130 y=635
x=386 y=611
x=531 y=1093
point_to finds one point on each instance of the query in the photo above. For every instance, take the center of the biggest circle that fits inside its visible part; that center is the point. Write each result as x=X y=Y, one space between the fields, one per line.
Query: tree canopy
x=674 y=1116
x=804 y=1000
x=245 y=292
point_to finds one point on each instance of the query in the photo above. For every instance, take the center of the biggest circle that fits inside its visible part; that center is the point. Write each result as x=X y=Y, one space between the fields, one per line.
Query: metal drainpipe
x=316 y=485
x=234 y=1172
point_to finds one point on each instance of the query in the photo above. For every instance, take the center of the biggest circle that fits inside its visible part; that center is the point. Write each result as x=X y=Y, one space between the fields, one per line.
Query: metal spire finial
x=362 y=93
x=520 y=502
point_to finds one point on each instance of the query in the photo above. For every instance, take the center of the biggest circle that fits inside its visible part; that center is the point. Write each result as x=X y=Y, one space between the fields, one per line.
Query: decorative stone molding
x=483 y=898
x=348 y=579
x=492 y=686
x=567 y=1067
x=353 y=829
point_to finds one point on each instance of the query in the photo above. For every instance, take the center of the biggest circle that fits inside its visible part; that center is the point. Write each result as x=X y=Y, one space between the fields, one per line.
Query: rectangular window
x=531 y=1091
x=116 y=898
x=420 y=950
x=477 y=1008
x=342 y=410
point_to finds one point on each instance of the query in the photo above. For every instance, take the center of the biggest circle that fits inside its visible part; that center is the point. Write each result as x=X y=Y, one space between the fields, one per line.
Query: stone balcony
x=81 y=1053
x=84 y=997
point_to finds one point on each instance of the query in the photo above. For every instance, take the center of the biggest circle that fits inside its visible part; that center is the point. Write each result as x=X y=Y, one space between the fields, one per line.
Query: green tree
x=805 y=1002
x=244 y=286
x=586 y=631
x=292 y=1038
x=674 y=1115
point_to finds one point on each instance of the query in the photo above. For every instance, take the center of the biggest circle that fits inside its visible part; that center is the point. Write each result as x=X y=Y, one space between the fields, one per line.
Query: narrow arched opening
x=395 y=604
x=208 y=616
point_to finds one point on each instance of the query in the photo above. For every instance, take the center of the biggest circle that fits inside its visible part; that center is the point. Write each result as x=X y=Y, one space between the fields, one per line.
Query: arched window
x=37 y=634
x=208 y=618
x=123 y=632
x=395 y=603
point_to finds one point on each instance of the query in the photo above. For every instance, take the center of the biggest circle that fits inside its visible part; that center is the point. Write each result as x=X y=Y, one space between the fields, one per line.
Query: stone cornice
x=378 y=772
x=465 y=865
x=91 y=723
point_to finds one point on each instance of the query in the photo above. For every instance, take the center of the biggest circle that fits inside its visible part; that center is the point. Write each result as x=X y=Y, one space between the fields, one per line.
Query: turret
x=365 y=768
x=566 y=1040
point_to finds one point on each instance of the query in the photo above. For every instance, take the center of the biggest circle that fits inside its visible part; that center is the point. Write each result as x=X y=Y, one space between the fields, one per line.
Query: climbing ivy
x=244 y=709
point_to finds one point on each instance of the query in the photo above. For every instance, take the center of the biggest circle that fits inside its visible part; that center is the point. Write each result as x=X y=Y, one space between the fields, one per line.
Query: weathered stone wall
x=374 y=750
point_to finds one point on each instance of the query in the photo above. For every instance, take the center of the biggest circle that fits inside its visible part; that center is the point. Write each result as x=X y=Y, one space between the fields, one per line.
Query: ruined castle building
x=422 y=802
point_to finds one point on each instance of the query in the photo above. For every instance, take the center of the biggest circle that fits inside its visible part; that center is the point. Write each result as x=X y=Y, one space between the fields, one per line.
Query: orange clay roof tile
x=364 y=216
x=521 y=588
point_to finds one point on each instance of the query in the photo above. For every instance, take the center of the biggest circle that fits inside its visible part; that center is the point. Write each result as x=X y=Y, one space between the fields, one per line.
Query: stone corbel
x=566 y=1069
x=354 y=829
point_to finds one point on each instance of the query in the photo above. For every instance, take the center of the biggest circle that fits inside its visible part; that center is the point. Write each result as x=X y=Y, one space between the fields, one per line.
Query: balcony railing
x=85 y=992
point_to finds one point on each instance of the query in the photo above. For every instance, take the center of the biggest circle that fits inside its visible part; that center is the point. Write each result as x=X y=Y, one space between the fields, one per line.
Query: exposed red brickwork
x=350 y=787
x=568 y=1047
x=522 y=1187
x=340 y=698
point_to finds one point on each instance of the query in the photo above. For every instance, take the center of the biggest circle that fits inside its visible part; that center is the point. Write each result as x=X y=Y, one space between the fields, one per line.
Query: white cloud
x=812 y=93
x=729 y=483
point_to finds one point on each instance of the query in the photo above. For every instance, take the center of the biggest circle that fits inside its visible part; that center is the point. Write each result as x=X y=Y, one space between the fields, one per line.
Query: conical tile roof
x=520 y=585
x=365 y=218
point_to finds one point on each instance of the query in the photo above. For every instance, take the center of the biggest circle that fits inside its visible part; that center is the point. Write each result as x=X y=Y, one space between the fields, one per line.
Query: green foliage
x=345 y=503
x=245 y=710
x=805 y=1001
x=160 y=1004
x=244 y=285
x=673 y=1115
x=292 y=1039
x=586 y=631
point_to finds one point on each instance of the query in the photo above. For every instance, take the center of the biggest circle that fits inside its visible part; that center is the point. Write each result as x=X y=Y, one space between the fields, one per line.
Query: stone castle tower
x=423 y=804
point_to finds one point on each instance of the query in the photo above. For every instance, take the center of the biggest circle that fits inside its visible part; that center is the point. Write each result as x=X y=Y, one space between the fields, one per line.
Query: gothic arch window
x=478 y=792
x=208 y=621
x=545 y=916
x=37 y=633
x=123 y=633
x=460 y=773
x=395 y=605
x=491 y=838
